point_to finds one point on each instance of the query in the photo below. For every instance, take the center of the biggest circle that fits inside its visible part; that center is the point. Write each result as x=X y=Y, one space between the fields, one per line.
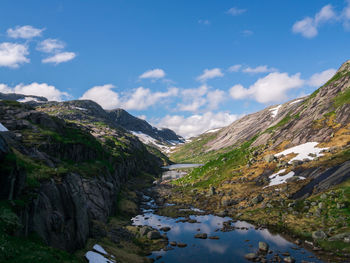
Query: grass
x=342 y=98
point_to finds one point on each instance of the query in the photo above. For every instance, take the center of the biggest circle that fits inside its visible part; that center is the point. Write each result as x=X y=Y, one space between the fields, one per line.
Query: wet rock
x=201 y=235
x=263 y=246
x=165 y=229
x=181 y=244
x=319 y=235
x=144 y=230
x=250 y=256
x=154 y=234
x=173 y=243
x=289 y=260
x=214 y=237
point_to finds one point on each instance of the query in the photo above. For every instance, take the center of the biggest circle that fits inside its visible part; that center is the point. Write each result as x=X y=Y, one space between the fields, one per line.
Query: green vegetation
x=220 y=168
x=342 y=98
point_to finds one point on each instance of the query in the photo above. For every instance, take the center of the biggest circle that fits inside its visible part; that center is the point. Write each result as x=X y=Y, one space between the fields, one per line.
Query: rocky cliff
x=62 y=175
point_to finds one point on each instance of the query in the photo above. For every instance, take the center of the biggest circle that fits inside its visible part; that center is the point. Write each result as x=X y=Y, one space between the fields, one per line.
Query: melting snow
x=3 y=128
x=274 y=111
x=277 y=178
x=303 y=151
x=100 y=249
x=296 y=101
x=213 y=130
x=94 y=257
x=78 y=108
x=26 y=99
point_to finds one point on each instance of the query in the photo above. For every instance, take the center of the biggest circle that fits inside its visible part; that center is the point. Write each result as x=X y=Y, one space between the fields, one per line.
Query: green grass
x=342 y=98
x=217 y=170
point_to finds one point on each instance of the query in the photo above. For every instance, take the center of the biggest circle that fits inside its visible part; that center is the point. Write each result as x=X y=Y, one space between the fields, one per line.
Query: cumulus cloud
x=235 y=11
x=345 y=16
x=308 y=27
x=258 y=69
x=153 y=74
x=196 y=124
x=60 y=58
x=271 y=88
x=318 y=79
x=50 y=45
x=36 y=89
x=13 y=55
x=25 y=32
x=201 y=98
x=235 y=68
x=210 y=74
x=103 y=95
x=140 y=99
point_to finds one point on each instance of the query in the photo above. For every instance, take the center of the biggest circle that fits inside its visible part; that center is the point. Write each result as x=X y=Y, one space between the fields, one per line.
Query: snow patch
x=213 y=130
x=3 y=128
x=27 y=99
x=99 y=249
x=94 y=257
x=296 y=101
x=277 y=178
x=303 y=151
x=274 y=111
x=78 y=108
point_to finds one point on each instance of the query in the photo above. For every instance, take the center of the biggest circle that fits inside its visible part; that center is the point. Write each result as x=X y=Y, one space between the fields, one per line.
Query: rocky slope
x=287 y=166
x=60 y=176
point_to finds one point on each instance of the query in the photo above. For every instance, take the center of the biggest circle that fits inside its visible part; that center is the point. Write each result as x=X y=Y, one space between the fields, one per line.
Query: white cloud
x=140 y=99
x=60 y=58
x=13 y=55
x=143 y=98
x=36 y=89
x=259 y=69
x=308 y=27
x=204 y=22
x=142 y=117
x=214 y=98
x=210 y=74
x=50 y=45
x=103 y=95
x=153 y=74
x=235 y=68
x=318 y=79
x=234 y=11
x=345 y=16
x=25 y=32
x=196 y=124
x=271 y=88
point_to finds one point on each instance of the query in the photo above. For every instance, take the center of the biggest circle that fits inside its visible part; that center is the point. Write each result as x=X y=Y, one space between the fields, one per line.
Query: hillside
x=287 y=166
x=61 y=178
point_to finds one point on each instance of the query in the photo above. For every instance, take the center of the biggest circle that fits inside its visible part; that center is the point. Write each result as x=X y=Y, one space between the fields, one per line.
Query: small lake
x=174 y=171
x=231 y=246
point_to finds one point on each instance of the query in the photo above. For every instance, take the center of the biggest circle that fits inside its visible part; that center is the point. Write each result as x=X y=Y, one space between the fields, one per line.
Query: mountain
x=315 y=128
x=23 y=98
x=286 y=167
x=146 y=132
x=62 y=170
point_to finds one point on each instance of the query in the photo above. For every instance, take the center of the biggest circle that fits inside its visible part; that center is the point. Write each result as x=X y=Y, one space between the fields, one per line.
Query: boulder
x=154 y=234
x=201 y=235
x=289 y=260
x=319 y=235
x=250 y=256
x=257 y=199
x=263 y=246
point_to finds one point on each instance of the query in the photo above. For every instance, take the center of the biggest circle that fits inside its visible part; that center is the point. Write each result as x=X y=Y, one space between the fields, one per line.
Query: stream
x=227 y=240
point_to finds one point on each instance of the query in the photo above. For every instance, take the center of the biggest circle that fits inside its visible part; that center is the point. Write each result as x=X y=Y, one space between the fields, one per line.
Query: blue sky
x=188 y=65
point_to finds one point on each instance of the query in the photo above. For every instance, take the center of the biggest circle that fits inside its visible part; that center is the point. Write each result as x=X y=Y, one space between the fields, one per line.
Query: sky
x=189 y=65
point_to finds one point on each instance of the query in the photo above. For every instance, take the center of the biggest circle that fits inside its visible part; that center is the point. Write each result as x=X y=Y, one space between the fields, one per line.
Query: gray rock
x=269 y=158
x=250 y=256
x=144 y=230
x=263 y=246
x=154 y=234
x=319 y=235
x=257 y=199
x=201 y=235
x=289 y=259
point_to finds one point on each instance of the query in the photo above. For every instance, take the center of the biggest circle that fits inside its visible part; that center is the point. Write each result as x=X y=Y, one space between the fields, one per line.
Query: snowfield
x=304 y=151
x=3 y=128
x=213 y=130
x=296 y=101
x=277 y=178
x=274 y=111
x=26 y=99
x=97 y=257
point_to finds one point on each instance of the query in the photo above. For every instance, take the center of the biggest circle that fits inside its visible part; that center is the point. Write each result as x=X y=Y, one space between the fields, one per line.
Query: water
x=173 y=170
x=230 y=247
